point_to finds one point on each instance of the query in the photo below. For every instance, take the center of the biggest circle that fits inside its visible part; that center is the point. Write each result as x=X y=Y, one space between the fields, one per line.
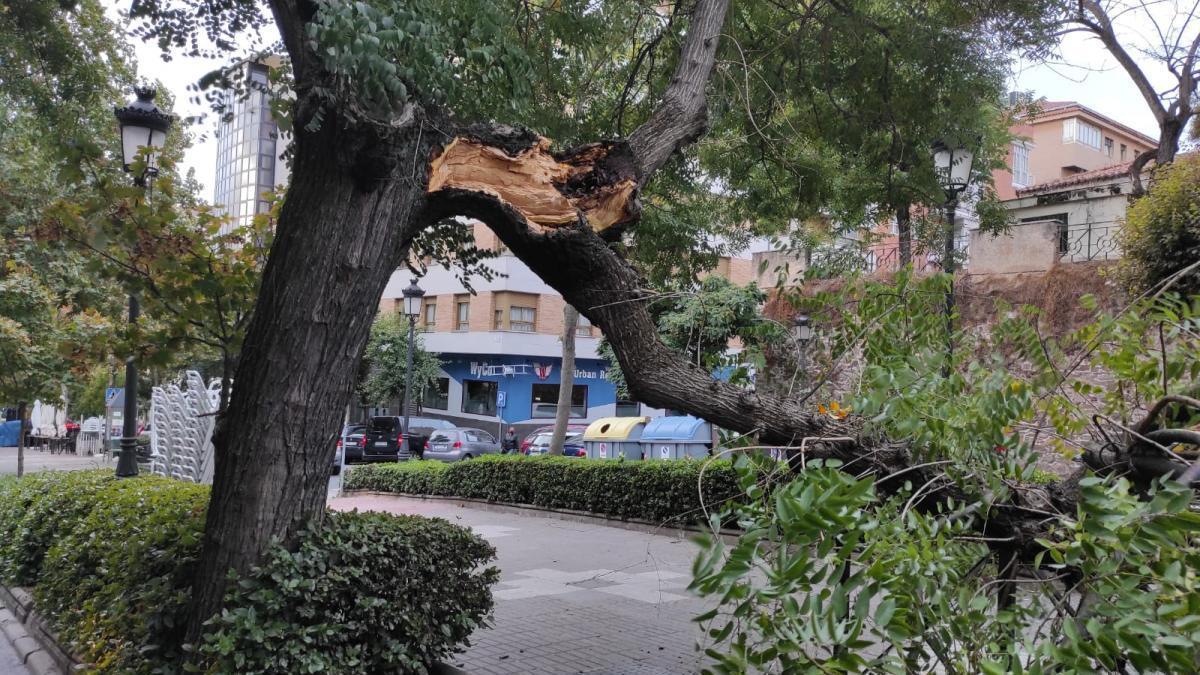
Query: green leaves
x=652 y=491
x=112 y=561
x=362 y=592
x=385 y=362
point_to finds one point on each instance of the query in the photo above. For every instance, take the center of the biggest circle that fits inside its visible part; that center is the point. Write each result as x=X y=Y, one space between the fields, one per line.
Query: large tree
x=1166 y=39
x=392 y=136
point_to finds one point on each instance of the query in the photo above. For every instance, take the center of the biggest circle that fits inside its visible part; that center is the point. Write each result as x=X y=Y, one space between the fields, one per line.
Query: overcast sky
x=1086 y=74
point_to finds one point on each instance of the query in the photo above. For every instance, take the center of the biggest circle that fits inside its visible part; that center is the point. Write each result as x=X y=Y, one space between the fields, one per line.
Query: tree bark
x=566 y=380
x=1172 y=119
x=343 y=229
x=904 y=233
x=20 y=438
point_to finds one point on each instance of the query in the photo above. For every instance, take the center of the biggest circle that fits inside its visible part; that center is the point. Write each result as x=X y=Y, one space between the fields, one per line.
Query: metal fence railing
x=1091 y=242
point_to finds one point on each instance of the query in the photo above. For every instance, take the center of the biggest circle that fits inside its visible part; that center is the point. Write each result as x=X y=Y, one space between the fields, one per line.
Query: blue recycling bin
x=677 y=438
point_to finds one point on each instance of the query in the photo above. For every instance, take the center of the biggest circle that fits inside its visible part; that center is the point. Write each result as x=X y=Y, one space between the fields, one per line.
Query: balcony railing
x=884 y=258
x=1093 y=242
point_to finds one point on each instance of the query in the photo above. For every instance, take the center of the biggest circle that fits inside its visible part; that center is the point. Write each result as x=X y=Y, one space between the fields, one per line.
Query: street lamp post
x=412 y=308
x=802 y=331
x=143 y=130
x=953 y=166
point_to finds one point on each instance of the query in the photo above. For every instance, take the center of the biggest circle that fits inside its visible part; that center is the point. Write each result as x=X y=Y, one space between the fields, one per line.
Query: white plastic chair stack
x=181 y=438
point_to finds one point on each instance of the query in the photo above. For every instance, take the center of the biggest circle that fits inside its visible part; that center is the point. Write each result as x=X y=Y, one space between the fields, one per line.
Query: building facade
x=1062 y=140
x=501 y=349
x=249 y=152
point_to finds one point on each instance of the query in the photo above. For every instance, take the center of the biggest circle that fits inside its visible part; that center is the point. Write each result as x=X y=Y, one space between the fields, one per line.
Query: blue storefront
x=518 y=390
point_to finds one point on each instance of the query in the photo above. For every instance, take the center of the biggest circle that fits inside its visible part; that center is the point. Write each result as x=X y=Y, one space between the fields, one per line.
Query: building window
x=1020 y=165
x=462 y=313
x=514 y=311
x=522 y=319
x=430 y=315
x=628 y=409
x=1108 y=147
x=584 y=329
x=437 y=396
x=1078 y=131
x=479 y=397
x=545 y=400
x=1124 y=151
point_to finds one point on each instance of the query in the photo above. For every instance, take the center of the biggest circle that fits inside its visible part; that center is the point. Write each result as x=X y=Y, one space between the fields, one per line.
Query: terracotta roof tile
x=1095 y=175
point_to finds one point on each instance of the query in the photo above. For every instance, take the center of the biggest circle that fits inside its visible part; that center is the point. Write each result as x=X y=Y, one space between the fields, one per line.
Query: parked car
x=460 y=443
x=571 y=429
x=350 y=443
x=353 y=440
x=419 y=430
x=385 y=440
x=539 y=444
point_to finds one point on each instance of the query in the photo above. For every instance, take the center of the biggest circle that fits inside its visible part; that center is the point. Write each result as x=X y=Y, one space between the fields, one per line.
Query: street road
x=43 y=461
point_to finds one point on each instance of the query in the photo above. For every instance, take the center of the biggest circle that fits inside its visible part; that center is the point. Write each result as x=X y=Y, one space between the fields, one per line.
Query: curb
x=531 y=511
x=24 y=629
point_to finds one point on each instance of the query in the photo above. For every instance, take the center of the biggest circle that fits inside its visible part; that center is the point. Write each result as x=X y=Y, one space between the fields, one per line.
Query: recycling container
x=614 y=437
x=676 y=438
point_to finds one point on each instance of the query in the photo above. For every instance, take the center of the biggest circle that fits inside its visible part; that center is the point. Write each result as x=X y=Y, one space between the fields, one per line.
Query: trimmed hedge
x=655 y=491
x=111 y=564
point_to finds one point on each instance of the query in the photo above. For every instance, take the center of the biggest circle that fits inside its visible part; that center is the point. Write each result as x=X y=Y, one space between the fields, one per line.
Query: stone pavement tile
x=574 y=597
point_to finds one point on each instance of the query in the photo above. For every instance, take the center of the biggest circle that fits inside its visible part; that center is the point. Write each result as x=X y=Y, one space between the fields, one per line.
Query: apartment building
x=1064 y=139
x=249 y=151
x=500 y=347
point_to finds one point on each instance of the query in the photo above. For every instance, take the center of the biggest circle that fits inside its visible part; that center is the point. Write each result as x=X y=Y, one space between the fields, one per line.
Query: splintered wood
x=547 y=191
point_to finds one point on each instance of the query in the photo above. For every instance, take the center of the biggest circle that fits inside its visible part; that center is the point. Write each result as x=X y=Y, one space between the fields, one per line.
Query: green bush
x=34 y=512
x=419 y=477
x=1161 y=234
x=652 y=491
x=334 y=602
x=111 y=563
x=116 y=584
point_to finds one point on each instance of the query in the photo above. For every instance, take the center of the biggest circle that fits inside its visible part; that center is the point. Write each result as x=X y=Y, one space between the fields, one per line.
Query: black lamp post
x=412 y=308
x=953 y=165
x=803 y=332
x=143 y=130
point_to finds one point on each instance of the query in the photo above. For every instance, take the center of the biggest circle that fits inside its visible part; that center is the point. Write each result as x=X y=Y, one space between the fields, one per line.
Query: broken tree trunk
x=341 y=234
x=357 y=197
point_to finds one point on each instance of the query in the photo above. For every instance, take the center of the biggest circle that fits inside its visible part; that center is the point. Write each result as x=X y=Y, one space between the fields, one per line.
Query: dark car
x=353 y=441
x=420 y=429
x=385 y=440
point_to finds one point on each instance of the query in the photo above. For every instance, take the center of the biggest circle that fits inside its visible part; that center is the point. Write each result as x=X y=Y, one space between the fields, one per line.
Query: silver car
x=452 y=445
x=540 y=445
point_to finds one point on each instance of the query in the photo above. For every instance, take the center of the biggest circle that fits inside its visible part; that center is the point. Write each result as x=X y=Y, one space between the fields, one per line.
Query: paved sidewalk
x=36 y=460
x=10 y=664
x=574 y=597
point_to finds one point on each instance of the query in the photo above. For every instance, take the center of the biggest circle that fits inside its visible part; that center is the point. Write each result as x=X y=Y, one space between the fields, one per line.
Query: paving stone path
x=574 y=597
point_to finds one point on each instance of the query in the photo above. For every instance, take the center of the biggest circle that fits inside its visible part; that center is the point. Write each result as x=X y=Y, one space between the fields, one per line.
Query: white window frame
x=517 y=319
x=462 y=320
x=1020 y=165
x=1076 y=130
